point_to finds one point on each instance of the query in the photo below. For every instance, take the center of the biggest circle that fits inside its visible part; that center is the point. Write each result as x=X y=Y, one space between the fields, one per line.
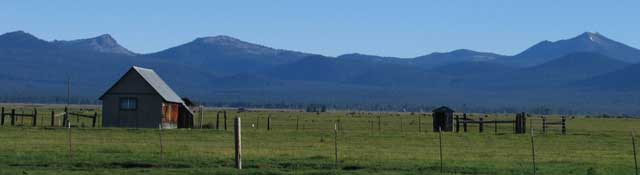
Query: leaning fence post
x=238 y=142
x=533 y=153
x=635 y=158
x=440 y=141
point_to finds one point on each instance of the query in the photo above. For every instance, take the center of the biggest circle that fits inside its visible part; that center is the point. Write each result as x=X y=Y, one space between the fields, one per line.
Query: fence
x=293 y=137
x=519 y=123
x=33 y=116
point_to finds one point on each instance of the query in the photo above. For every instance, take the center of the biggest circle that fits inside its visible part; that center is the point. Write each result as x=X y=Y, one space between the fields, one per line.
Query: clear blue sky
x=329 y=27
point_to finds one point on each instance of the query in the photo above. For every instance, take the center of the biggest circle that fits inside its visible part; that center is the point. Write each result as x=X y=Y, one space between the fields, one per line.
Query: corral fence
x=17 y=116
x=519 y=123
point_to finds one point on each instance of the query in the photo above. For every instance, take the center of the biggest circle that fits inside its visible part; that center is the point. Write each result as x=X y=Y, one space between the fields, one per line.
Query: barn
x=141 y=99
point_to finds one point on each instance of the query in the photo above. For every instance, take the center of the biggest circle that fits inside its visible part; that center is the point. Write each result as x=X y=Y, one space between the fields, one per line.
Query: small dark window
x=128 y=104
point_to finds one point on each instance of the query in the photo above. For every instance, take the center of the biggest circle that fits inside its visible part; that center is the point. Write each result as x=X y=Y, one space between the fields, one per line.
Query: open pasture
x=303 y=143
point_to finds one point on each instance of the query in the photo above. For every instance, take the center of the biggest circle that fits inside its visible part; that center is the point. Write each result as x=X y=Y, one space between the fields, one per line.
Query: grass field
x=592 y=146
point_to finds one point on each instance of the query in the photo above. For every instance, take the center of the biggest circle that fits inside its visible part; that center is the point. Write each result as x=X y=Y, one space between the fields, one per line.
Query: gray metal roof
x=158 y=84
x=443 y=109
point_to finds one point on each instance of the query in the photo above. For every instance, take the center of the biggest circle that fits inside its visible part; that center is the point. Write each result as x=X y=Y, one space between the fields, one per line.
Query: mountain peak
x=17 y=32
x=18 y=35
x=21 y=39
x=218 y=39
x=105 y=37
x=585 y=42
x=104 y=43
x=591 y=36
x=227 y=42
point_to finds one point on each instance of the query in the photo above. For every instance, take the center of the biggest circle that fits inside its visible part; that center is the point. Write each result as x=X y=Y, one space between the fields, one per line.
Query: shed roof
x=443 y=109
x=156 y=83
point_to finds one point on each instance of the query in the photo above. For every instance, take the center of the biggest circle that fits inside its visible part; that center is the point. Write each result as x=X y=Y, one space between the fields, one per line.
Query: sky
x=329 y=27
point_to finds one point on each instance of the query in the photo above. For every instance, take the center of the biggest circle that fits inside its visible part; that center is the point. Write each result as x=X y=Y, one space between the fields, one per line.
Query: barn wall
x=148 y=113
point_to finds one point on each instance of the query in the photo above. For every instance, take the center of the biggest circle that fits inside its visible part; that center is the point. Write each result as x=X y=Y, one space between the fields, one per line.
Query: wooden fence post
x=533 y=153
x=564 y=125
x=633 y=142
x=379 y=124
x=218 y=120
x=297 y=123
x=401 y=125
x=95 y=117
x=35 y=116
x=65 y=118
x=238 y=142
x=69 y=136
x=457 y=123
x=481 y=125
x=544 y=125
x=419 y=124
x=464 y=122
x=161 y=144
x=2 y=116
x=524 y=122
x=515 y=124
x=269 y=122
x=257 y=122
x=225 y=121
x=440 y=141
x=201 y=116
x=335 y=143
x=13 y=116
x=53 y=116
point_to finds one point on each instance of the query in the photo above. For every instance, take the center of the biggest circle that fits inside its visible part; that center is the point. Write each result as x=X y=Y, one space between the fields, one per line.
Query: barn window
x=128 y=104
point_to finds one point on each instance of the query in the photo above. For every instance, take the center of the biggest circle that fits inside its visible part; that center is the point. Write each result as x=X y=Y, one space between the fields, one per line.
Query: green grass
x=592 y=146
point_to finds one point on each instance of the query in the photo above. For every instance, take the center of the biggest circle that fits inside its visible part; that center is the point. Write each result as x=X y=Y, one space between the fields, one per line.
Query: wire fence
x=306 y=142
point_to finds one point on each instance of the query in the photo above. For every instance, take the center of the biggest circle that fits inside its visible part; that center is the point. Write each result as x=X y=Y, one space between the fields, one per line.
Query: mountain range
x=587 y=73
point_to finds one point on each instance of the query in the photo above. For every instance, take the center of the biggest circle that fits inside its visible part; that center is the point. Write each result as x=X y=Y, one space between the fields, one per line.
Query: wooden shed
x=443 y=118
x=141 y=99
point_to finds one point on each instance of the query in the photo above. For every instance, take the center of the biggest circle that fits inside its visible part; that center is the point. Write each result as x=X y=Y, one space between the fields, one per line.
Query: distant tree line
x=352 y=106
